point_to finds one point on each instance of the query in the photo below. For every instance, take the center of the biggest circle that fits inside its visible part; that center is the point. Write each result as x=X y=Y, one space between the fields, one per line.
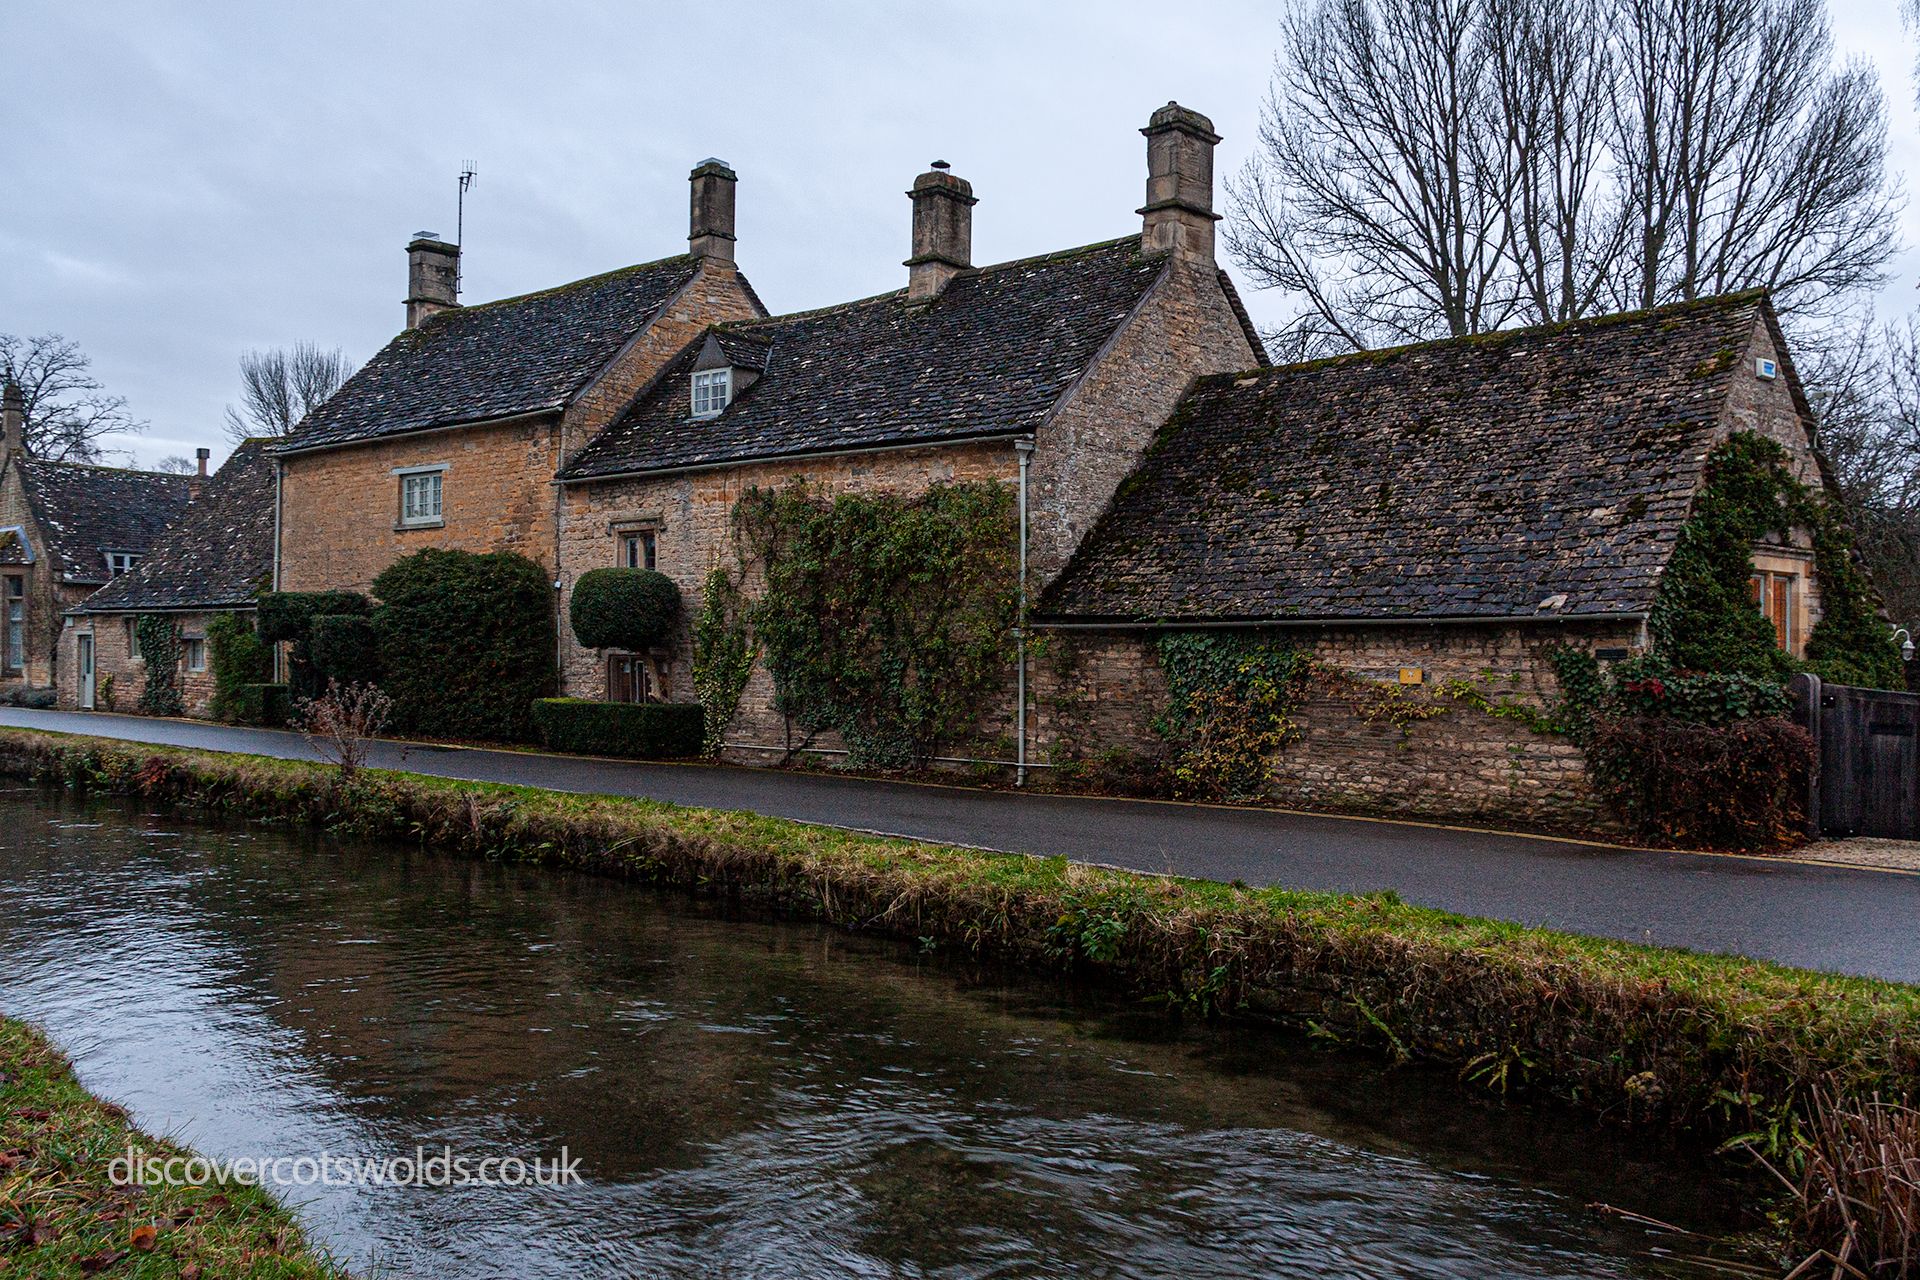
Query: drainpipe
x=1023 y=449
x=279 y=475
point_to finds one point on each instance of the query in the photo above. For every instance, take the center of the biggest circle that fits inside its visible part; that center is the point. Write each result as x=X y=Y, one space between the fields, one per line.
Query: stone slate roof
x=1479 y=477
x=86 y=511
x=517 y=355
x=990 y=356
x=219 y=553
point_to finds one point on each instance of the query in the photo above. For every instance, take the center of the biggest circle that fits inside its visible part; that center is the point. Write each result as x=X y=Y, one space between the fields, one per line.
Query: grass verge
x=1720 y=1046
x=61 y=1215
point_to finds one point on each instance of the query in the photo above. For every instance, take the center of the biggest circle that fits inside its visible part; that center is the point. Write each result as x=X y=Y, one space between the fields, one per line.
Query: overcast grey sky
x=185 y=181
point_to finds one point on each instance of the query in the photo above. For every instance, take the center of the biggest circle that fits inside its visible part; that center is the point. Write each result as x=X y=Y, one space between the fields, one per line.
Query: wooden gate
x=1866 y=780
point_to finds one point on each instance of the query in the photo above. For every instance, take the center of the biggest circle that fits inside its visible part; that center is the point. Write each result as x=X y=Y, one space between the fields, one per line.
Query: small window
x=712 y=389
x=1774 y=594
x=16 y=620
x=126 y=630
x=420 y=498
x=628 y=679
x=119 y=562
x=195 y=650
x=637 y=549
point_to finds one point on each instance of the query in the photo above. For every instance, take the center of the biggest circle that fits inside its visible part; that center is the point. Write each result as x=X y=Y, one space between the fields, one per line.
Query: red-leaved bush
x=1740 y=785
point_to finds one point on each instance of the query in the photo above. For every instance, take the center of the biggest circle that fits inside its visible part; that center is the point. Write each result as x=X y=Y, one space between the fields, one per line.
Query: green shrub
x=287 y=615
x=466 y=643
x=238 y=658
x=268 y=705
x=1651 y=687
x=623 y=608
x=1739 y=785
x=344 y=647
x=644 y=730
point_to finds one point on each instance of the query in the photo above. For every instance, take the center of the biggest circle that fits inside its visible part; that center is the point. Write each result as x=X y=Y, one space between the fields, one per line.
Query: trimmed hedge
x=623 y=608
x=344 y=647
x=288 y=615
x=239 y=659
x=643 y=730
x=466 y=642
x=269 y=705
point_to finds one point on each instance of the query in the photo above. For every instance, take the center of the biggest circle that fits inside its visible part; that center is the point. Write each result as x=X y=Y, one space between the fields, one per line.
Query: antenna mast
x=460 y=223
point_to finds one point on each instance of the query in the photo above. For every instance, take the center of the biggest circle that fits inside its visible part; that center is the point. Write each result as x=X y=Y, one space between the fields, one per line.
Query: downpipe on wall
x=1023 y=450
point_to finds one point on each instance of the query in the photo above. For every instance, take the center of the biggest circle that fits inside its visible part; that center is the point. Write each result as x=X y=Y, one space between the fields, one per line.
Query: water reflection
x=747 y=1099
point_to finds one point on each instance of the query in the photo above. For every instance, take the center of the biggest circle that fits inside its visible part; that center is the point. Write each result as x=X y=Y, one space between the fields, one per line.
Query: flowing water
x=748 y=1099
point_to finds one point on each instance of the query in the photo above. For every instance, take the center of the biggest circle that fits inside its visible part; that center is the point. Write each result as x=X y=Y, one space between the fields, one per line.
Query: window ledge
x=410 y=526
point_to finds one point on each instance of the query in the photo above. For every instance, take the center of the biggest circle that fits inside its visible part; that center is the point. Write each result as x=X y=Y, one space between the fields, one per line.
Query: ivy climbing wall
x=1468 y=742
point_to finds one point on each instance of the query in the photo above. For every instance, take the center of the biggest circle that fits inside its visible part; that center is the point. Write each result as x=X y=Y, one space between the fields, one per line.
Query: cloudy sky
x=183 y=182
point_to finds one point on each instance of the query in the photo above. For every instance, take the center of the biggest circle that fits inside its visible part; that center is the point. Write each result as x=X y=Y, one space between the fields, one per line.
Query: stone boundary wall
x=1096 y=693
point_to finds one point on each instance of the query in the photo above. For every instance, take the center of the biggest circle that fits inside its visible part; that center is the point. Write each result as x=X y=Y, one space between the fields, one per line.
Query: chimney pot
x=1179 y=214
x=942 y=231
x=433 y=277
x=13 y=420
x=200 y=456
x=710 y=224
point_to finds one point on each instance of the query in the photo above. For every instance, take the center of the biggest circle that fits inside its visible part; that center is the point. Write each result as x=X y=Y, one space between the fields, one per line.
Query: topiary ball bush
x=466 y=643
x=623 y=608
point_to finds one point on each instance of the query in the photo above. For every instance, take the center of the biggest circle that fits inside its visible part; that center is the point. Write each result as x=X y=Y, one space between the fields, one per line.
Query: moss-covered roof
x=1536 y=472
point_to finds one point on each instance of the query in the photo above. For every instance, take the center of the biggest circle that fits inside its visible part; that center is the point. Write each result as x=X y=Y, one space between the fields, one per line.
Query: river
x=752 y=1099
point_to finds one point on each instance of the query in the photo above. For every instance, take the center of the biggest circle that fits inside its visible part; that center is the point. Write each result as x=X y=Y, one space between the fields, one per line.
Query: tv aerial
x=467 y=172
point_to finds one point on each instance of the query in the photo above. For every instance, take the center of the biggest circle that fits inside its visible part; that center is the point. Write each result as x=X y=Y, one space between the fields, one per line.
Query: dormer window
x=712 y=389
x=119 y=562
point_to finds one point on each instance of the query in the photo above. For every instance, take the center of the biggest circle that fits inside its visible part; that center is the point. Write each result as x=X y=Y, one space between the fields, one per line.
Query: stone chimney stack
x=197 y=485
x=433 y=276
x=1179 y=210
x=13 y=421
x=942 y=231
x=710 y=228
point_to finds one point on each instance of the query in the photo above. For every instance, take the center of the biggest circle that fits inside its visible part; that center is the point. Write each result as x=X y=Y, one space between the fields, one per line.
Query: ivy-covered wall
x=1464 y=745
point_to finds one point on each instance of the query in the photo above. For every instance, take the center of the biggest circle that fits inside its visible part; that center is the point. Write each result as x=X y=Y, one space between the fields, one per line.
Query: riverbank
x=1712 y=1045
x=61 y=1215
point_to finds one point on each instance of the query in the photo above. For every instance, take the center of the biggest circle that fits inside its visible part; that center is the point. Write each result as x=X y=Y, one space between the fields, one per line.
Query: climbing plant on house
x=887 y=618
x=1230 y=706
x=723 y=655
x=158 y=642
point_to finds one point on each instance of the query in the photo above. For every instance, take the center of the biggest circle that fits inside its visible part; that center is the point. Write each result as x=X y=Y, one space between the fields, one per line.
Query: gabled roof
x=85 y=511
x=1473 y=478
x=219 y=553
x=990 y=356
x=518 y=355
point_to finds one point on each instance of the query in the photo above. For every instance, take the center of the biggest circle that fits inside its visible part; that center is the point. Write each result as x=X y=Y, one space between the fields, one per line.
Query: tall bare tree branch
x=280 y=387
x=68 y=411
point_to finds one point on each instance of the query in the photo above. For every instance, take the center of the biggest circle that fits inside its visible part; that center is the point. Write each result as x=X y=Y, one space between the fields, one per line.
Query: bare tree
x=1378 y=195
x=68 y=411
x=1439 y=167
x=280 y=387
x=1748 y=161
x=177 y=464
x=1867 y=398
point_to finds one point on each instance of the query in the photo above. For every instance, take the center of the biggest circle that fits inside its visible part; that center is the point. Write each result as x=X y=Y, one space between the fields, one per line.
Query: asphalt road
x=1834 y=918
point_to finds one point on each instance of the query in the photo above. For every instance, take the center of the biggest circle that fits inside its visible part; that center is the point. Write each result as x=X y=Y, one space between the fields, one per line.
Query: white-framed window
x=16 y=605
x=637 y=549
x=712 y=389
x=194 y=648
x=420 y=493
x=119 y=562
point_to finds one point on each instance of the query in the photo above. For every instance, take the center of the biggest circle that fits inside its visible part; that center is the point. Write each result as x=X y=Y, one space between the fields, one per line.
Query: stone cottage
x=216 y=559
x=1429 y=522
x=66 y=530
x=450 y=436
x=1050 y=374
